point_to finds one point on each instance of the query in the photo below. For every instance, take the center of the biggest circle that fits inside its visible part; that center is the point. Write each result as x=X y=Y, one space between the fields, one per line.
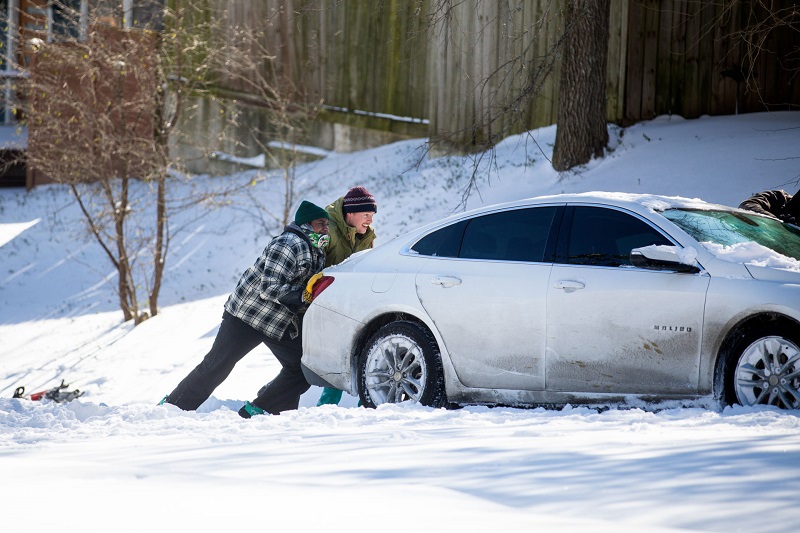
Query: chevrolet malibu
x=587 y=298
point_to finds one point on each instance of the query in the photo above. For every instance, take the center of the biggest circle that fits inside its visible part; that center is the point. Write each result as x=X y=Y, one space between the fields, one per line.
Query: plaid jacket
x=285 y=265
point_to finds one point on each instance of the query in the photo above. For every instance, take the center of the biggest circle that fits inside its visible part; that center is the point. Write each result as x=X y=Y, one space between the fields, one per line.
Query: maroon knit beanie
x=358 y=200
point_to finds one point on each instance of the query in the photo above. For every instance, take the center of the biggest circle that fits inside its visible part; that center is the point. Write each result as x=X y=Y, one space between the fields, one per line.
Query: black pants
x=234 y=340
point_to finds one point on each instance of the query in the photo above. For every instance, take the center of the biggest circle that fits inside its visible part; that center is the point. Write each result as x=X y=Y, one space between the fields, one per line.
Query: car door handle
x=569 y=285
x=446 y=281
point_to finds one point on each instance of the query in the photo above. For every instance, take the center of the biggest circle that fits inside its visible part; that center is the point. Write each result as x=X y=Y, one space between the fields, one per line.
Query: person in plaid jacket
x=266 y=306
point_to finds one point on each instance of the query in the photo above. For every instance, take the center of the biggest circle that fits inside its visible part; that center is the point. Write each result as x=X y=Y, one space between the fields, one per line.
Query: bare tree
x=103 y=103
x=89 y=101
x=582 y=131
x=763 y=18
x=285 y=112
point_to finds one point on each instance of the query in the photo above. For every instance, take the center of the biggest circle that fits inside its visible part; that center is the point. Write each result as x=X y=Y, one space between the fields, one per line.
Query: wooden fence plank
x=705 y=57
x=541 y=108
x=749 y=97
x=691 y=105
x=635 y=61
x=650 y=59
x=618 y=25
x=723 y=95
x=664 y=57
x=554 y=31
x=771 y=56
x=677 y=79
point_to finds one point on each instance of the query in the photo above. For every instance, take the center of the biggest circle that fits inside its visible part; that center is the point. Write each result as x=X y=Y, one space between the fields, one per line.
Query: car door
x=613 y=328
x=486 y=296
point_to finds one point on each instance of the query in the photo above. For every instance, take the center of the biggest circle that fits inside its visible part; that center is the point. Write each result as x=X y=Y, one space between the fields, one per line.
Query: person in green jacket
x=350 y=232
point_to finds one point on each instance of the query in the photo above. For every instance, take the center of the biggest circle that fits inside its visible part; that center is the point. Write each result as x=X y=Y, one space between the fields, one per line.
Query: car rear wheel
x=763 y=368
x=401 y=362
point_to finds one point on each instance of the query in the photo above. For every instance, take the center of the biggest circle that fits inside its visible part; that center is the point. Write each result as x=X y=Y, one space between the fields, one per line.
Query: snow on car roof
x=653 y=202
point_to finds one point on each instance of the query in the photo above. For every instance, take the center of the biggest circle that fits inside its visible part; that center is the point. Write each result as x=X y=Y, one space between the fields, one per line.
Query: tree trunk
x=582 y=132
x=160 y=246
x=161 y=128
x=127 y=288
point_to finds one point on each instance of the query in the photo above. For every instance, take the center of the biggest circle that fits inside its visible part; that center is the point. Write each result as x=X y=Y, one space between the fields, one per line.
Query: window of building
x=66 y=20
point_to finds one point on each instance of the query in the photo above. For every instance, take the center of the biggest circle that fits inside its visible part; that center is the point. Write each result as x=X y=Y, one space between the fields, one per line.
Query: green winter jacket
x=344 y=239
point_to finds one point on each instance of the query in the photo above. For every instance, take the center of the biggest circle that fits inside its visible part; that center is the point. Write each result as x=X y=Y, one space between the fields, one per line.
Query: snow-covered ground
x=115 y=461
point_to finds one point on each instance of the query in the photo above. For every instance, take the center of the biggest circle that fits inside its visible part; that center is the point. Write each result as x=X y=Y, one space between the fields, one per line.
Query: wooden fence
x=397 y=61
x=685 y=57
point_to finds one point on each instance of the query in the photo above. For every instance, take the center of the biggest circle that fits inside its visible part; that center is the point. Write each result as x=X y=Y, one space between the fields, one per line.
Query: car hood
x=773 y=274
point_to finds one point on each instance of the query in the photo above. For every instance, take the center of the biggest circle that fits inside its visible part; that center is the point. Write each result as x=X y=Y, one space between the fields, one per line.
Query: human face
x=320 y=225
x=360 y=221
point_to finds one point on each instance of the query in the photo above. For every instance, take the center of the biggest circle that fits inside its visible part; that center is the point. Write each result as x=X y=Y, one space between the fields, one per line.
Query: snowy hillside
x=115 y=461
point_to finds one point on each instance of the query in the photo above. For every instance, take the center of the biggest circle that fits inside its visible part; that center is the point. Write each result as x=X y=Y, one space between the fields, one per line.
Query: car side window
x=444 y=242
x=605 y=237
x=515 y=235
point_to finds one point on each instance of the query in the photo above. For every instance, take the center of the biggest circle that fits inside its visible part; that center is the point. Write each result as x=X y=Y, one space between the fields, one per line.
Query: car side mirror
x=663 y=258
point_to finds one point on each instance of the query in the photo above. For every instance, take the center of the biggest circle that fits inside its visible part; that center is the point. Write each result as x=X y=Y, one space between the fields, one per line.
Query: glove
x=292 y=300
x=316 y=285
x=308 y=295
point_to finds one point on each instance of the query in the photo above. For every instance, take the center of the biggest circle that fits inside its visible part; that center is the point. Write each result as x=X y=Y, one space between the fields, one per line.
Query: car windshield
x=727 y=228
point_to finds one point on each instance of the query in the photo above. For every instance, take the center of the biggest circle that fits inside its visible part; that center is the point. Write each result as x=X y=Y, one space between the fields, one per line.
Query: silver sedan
x=589 y=298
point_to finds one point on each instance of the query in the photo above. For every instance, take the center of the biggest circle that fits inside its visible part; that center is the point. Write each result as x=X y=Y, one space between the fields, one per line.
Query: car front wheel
x=401 y=362
x=764 y=368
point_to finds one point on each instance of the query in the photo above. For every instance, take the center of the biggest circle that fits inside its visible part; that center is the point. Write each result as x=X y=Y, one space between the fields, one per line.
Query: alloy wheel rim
x=395 y=371
x=768 y=373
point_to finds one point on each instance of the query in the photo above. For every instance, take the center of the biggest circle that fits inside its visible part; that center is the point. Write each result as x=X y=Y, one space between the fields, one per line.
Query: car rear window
x=513 y=235
x=444 y=242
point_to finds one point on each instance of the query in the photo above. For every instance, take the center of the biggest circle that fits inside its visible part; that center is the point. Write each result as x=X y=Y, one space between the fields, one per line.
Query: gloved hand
x=315 y=285
x=789 y=219
x=293 y=300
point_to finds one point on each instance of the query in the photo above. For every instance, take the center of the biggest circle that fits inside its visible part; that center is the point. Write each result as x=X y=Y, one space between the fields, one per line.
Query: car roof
x=640 y=203
x=652 y=202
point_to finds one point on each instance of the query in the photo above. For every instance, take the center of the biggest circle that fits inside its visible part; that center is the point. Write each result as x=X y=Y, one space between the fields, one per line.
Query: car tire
x=401 y=362
x=762 y=366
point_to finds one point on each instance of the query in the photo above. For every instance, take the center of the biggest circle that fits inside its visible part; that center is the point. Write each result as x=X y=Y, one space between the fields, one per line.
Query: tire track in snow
x=48 y=373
